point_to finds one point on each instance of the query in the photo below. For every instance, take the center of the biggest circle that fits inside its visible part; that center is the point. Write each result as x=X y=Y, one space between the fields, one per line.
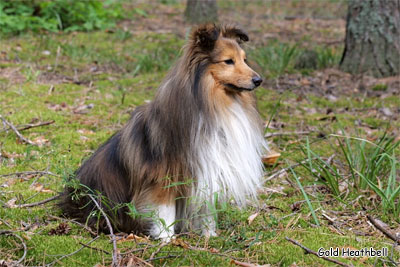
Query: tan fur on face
x=239 y=73
x=221 y=73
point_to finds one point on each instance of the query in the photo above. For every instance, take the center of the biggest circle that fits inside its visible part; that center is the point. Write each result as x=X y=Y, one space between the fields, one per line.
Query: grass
x=114 y=72
x=361 y=165
x=277 y=58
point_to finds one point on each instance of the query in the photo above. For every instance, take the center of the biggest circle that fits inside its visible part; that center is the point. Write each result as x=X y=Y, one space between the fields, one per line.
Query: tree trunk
x=201 y=11
x=372 y=44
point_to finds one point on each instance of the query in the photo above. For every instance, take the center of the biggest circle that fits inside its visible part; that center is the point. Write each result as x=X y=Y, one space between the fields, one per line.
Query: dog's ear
x=205 y=36
x=236 y=33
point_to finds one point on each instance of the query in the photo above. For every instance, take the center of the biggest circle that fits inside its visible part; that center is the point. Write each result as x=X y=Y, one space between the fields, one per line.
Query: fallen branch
x=30 y=125
x=310 y=251
x=383 y=230
x=269 y=135
x=73 y=253
x=115 y=255
x=15 y=130
x=87 y=228
x=29 y=173
x=29 y=205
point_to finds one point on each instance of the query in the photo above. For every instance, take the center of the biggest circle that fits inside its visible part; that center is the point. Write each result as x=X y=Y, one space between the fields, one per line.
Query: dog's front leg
x=163 y=221
x=209 y=228
x=209 y=225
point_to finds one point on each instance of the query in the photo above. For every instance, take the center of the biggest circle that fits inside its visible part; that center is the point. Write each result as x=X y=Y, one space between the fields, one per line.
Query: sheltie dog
x=199 y=142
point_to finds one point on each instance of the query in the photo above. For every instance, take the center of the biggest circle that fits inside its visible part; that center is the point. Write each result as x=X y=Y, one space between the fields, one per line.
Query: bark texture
x=372 y=44
x=201 y=11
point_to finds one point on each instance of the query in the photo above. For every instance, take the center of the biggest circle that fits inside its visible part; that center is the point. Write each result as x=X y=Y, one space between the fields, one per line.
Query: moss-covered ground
x=88 y=83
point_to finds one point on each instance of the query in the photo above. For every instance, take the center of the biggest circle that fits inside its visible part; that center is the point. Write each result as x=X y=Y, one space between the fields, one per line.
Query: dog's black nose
x=257 y=80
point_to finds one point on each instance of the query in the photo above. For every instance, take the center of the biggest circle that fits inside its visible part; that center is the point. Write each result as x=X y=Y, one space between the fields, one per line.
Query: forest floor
x=68 y=92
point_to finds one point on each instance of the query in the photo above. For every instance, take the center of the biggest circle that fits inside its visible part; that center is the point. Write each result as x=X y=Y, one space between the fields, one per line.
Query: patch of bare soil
x=163 y=19
x=333 y=83
x=262 y=22
x=12 y=74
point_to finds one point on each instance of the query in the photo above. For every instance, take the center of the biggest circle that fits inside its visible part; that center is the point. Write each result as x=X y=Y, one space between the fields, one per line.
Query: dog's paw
x=166 y=238
x=209 y=233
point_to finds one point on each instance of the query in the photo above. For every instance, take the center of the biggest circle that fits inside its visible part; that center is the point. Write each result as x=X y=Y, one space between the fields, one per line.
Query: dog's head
x=228 y=63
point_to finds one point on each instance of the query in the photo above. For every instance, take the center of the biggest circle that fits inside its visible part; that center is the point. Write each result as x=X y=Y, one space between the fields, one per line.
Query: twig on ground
x=15 y=130
x=25 y=248
x=269 y=135
x=6 y=232
x=5 y=222
x=281 y=171
x=310 y=251
x=29 y=173
x=162 y=257
x=115 y=255
x=243 y=264
x=73 y=253
x=98 y=249
x=29 y=126
x=134 y=257
x=12 y=233
x=138 y=249
x=163 y=244
x=212 y=252
x=391 y=255
x=87 y=228
x=29 y=205
x=383 y=230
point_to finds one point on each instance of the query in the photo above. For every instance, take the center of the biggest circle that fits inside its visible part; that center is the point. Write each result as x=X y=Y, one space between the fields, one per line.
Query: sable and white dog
x=200 y=139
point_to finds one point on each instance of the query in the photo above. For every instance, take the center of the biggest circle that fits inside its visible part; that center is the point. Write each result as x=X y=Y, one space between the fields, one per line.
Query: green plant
x=158 y=60
x=65 y=15
x=366 y=165
x=327 y=57
x=307 y=199
x=326 y=174
x=380 y=87
x=276 y=58
x=122 y=35
x=168 y=2
x=317 y=58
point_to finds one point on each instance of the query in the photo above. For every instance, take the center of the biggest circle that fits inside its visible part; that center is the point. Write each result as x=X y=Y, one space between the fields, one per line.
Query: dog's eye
x=229 y=62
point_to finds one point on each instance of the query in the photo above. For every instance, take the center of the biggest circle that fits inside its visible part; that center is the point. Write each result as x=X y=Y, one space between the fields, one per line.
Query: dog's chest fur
x=227 y=159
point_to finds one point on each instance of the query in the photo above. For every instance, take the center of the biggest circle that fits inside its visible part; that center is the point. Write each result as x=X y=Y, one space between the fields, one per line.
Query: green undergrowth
x=88 y=83
x=278 y=58
x=60 y=15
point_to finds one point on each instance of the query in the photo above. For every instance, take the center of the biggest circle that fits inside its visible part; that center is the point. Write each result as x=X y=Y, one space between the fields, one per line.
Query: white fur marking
x=228 y=161
x=162 y=226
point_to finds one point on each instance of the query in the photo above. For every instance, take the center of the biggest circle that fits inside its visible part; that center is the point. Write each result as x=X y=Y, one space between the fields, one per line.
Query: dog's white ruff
x=227 y=161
